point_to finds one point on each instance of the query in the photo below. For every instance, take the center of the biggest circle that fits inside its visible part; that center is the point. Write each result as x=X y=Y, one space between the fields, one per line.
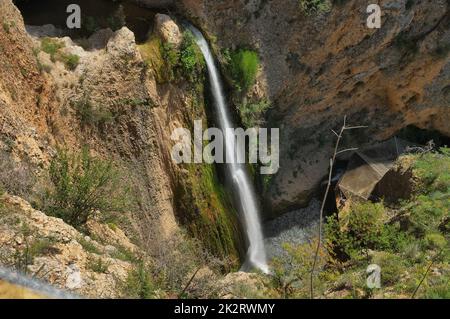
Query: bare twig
x=189 y=282
x=426 y=273
x=322 y=208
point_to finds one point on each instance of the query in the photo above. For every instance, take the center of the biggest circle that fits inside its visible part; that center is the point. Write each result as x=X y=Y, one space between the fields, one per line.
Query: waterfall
x=239 y=178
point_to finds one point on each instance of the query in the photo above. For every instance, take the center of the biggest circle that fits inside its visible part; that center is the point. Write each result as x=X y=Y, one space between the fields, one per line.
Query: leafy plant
x=252 y=114
x=139 y=283
x=90 y=114
x=98 y=265
x=82 y=185
x=310 y=7
x=192 y=60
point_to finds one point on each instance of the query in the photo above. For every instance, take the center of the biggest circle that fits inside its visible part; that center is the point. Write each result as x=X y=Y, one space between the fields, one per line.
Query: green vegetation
x=252 y=114
x=139 y=283
x=98 y=265
x=90 y=114
x=310 y=7
x=54 y=48
x=168 y=63
x=242 y=65
x=88 y=246
x=210 y=215
x=404 y=240
x=82 y=185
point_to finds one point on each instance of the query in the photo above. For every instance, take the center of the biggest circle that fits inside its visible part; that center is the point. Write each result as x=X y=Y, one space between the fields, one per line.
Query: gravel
x=295 y=227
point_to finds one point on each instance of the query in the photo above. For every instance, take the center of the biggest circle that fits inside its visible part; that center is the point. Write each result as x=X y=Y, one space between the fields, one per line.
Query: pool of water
x=94 y=15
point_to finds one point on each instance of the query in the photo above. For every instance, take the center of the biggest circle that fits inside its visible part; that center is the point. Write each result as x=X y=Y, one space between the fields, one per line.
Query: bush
x=310 y=7
x=82 y=185
x=366 y=223
x=71 y=61
x=89 y=114
x=435 y=241
x=98 y=265
x=252 y=114
x=139 y=283
x=244 y=65
x=192 y=61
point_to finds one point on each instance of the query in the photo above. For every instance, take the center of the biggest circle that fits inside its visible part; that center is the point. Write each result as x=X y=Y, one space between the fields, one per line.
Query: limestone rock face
x=60 y=255
x=168 y=29
x=318 y=68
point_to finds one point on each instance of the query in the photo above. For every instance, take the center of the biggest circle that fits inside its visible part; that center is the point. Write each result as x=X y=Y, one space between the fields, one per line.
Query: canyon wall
x=131 y=113
x=319 y=67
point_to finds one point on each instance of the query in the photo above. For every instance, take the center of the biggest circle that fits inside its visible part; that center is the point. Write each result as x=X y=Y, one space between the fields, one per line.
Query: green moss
x=211 y=217
x=243 y=66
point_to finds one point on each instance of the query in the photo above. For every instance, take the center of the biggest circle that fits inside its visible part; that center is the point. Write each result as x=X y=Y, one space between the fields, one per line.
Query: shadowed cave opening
x=95 y=15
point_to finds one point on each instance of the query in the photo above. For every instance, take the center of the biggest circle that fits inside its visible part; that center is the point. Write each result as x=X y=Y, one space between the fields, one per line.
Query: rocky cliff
x=318 y=67
x=118 y=99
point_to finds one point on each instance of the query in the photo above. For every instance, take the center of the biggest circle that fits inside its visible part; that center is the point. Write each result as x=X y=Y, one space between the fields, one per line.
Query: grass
x=98 y=265
x=243 y=66
x=88 y=246
x=53 y=48
x=403 y=249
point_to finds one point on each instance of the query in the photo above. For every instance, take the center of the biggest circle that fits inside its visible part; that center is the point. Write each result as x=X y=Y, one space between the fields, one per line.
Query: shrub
x=366 y=223
x=51 y=46
x=90 y=114
x=252 y=114
x=310 y=7
x=82 y=185
x=98 y=265
x=192 y=60
x=17 y=178
x=244 y=65
x=435 y=241
x=427 y=213
x=71 y=61
x=139 y=283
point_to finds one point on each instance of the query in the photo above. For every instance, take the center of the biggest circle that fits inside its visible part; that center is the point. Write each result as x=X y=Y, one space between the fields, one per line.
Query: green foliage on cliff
x=53 y=48
x=404 y=240
x=192 y=61
x=81 y=185
x=169 y=63
x=242 y=66
x=252 y=114
x=311 y=7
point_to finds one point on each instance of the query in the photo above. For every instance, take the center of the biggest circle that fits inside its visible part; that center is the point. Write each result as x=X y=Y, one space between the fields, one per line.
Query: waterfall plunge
x=242 y=187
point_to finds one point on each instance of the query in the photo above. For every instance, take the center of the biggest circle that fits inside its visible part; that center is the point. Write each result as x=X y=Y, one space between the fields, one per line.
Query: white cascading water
x=256 y=254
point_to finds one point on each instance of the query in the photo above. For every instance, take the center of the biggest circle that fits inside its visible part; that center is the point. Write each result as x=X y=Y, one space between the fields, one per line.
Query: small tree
x=82 y=185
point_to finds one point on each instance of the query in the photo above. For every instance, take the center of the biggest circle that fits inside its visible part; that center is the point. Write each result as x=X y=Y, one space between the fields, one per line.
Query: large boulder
x=168 y=30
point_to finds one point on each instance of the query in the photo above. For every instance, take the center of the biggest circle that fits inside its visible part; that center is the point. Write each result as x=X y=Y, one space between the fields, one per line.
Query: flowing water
x=239 y=178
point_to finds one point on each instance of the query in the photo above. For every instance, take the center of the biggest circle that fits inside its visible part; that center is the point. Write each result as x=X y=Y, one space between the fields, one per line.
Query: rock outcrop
x=52 y=251
x=320 y=67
